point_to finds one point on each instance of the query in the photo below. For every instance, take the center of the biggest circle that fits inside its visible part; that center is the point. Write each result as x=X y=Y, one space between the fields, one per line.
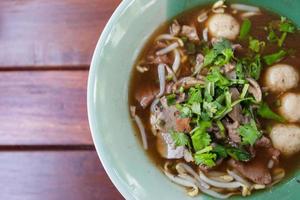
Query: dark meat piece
x=255 y=170
x=146 y=95
x=255 y=89
x=232 y=131
x=215 y=131
x=263 y=142
x=236 y=113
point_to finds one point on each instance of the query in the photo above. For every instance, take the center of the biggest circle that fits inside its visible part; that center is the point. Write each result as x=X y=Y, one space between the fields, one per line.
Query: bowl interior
x=125 y=161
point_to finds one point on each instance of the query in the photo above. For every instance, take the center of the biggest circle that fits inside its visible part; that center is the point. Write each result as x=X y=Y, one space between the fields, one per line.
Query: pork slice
x=255 y=170
x=183 y=125
x=166 y=147
x=169 y=119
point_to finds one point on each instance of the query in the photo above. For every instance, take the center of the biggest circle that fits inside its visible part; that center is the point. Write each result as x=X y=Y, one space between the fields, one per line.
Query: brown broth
x=140 y=81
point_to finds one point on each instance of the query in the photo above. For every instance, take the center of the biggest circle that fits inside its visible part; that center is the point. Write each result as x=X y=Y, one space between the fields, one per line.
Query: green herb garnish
x=265 y=112
x=245 y=29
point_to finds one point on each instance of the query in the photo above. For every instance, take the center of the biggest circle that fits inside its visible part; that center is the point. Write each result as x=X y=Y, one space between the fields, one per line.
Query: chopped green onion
x=275 y=57
x=245 y=29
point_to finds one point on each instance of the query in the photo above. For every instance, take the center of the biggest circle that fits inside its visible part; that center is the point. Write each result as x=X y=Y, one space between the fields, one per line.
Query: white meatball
x=281 y=77
x=286 y=138
x=290 y=107
x=223 y=26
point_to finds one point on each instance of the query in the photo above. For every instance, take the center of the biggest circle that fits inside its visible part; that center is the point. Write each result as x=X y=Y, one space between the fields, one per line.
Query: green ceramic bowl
x=120 y=152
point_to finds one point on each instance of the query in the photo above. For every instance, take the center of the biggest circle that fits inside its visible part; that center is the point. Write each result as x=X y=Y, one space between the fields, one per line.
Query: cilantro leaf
x=215 y=76
x=200 y=138
x=245 y=29
x=249 y=133
x=238 y=154
x=265 y=112
x=286 y=26
x=209 y=58
x=281 y=39
x=207 y=159
x=220 y=46
x=272 y=37
x=255 y=67
x=180 y=139
x=211 y=107
x=235 y=153
x=220 y=151
x=196 y=108
x=190 y=48
x=184 y=110
x=220 y=54
x=194 y=95
x=221 y=128
x=275 y=57
x=256 y=45
x=171 y=99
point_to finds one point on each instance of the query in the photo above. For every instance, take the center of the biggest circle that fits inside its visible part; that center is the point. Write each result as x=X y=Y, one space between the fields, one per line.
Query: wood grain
x=75 y=175
x=53 y=33
x=44 y=108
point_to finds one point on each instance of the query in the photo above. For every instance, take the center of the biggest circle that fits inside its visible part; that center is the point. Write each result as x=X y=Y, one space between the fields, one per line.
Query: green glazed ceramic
x=121 y=154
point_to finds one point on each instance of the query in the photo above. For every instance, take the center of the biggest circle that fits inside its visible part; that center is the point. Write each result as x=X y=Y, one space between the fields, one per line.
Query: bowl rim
x=116 y=180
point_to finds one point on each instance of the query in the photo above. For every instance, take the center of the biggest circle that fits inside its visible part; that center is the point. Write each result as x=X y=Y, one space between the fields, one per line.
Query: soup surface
x=215 y=91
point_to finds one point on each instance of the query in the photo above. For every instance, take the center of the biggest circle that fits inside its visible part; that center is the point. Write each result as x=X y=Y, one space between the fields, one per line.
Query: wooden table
x=46 y=147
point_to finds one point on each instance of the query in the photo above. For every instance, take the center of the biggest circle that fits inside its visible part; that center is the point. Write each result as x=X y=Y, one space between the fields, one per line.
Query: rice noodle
x=219 y=7
x=182 y=168
x=142 y=130
x=179 y=181
x=243 y=7
x=170 y=37
x=259 y=186
x=239 y=178
x=168 y=49
x=195 y=189
x=141 y=69
x=171 y=73
x=202 y=17
x=176 y=63
x=229 y=185
x=222 y=178
x=205 y=34
x=271 y=164
x=213 y=193
x=249 y=14
x=162 y=79
x=132 y=110
x=279 y=173
x=153 y=105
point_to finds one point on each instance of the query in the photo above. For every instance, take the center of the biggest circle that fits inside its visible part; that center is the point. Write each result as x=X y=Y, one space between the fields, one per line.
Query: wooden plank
x=38 y=33
x=55 y=175
x=43 y=108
